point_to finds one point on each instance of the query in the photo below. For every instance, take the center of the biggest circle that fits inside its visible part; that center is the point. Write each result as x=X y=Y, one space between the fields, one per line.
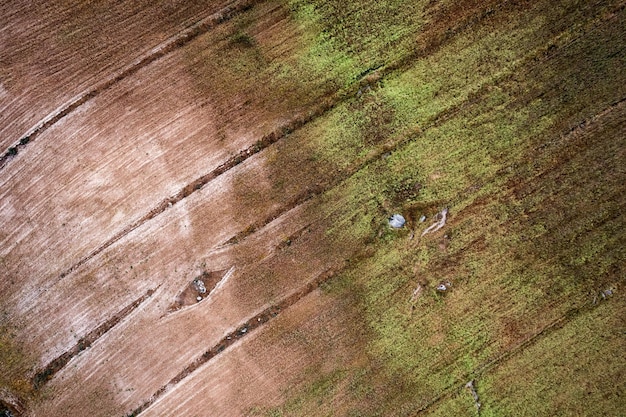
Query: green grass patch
x=478 y=127
x=577 y=370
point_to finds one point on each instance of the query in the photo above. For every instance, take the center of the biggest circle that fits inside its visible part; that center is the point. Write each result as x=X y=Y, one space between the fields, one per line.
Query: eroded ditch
x=242 y=330
x=282 y=131
x=45 y=374
x=200 y=288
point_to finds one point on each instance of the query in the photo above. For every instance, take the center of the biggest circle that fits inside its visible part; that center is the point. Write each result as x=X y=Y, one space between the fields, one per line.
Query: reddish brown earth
x=128 y=173
x=54 y=53
x=140 y=186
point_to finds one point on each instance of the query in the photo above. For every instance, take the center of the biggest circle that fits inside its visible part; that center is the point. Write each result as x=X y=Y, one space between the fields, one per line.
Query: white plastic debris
x=198 y=298
x=397 y=221
x=199 y=285
x=442 y=287
x=439 y=223
x=416 y=293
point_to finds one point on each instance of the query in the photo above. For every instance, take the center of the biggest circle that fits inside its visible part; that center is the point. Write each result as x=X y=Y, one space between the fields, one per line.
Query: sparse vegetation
x=512 y=116
x=479 y=125
x=14 y=364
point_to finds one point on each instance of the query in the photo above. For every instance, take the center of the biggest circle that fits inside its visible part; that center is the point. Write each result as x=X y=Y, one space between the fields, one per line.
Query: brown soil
x=131 y=185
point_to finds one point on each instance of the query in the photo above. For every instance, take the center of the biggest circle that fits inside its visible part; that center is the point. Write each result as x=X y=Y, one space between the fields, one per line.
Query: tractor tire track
x=242 y=330
x=48 y=371
x=176 y=42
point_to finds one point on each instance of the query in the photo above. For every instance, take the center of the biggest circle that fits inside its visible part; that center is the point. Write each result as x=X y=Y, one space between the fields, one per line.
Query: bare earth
x=135 y=175
x=70 y=260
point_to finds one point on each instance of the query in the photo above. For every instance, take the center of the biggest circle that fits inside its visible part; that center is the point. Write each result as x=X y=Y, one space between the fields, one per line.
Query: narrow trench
x=170 y=45
x=197 y=184
x=281 y=132
x=10 y=407
x=57 y=364
x=240 y=332
x=45 y=374
x=294 y=124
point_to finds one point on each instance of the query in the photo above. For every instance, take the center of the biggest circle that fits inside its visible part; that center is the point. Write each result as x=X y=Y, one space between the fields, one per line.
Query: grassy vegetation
x=584 y=355
x=480 y=124
x=472 y=106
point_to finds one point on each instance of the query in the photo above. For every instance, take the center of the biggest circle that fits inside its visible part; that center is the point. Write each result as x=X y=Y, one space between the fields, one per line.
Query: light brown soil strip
x=294 y=124
x=170 y=45
x=85 y=342
x=207 y=24
x=241 y=331
x=197 y=184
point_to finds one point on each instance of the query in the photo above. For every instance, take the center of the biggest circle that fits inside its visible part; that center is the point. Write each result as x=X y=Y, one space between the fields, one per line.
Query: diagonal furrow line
x=297 y=122
x=241 y=331
x=45 y=374
x=555 y=325
x=181 y=39
x=197 y=184
x=271 y=312
x=202 y=27
x=274 y=310
x=549 y=328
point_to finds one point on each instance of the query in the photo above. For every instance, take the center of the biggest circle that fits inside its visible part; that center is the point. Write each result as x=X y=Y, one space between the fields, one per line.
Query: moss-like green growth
x=478 y=125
